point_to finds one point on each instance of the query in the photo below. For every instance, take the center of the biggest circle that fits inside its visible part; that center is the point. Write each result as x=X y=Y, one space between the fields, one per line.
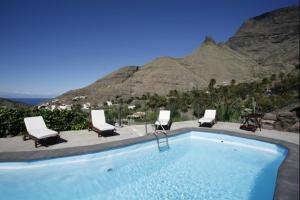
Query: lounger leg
x=35 y=144
x=90 y=127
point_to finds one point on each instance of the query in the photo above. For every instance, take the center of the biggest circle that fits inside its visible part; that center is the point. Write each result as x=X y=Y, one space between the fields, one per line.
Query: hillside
x=6 y=103
x=166 y=73
x=263 y=45
x=271 y=38
x=210 y=60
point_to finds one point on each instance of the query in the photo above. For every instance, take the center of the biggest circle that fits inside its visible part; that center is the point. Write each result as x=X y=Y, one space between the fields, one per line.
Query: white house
x=53 y=107
x=55 y=101
x=79 y=97
x=86 y=106
x=44 y=105
x=137 y=115
x=131 y=107
x=64 y=107
x=109 y=103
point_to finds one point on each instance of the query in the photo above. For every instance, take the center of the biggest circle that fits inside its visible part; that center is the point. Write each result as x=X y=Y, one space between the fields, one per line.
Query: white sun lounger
x=164 y=119
x=98 y=122
x=37 y=130
x=208 y=118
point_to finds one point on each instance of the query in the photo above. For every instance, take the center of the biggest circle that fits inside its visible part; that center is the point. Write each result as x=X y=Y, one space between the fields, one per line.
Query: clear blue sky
x=52 y=46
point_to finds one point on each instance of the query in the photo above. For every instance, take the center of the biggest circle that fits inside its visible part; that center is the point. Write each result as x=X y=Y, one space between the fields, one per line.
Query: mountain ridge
x=7 y=103
x=266 y=38
x=235 y=59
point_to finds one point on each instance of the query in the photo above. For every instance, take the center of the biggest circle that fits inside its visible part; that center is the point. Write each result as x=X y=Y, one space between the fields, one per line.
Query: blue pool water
x=198 y=165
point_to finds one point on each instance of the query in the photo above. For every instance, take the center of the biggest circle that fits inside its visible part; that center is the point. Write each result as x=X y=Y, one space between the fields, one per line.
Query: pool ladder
x=162 y=142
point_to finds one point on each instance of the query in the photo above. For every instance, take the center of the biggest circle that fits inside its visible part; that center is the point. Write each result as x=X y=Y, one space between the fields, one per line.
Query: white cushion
x=98 y=120
x=206 y=120
x=210 y=114
x=33 y=123
x=162 y=122
x=104 y=127
x=36 y=127
x=43 y=133
x=163 y=118
x=164 y=115
x=98 y=116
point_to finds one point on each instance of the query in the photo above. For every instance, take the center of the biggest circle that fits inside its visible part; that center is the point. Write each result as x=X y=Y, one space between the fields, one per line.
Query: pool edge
x=287 y=183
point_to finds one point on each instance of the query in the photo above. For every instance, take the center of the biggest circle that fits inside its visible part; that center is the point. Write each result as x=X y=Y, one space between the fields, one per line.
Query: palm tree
x=265 y=81
x=232 y=82
x=211 y=84
x=281 y=76
x=273 y=77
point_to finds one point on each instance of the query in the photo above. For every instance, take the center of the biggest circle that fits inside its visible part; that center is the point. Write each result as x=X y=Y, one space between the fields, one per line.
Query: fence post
x=146 y=122
x=120 y=121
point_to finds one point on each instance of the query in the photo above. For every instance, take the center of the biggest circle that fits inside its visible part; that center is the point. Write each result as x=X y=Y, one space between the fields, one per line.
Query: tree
x=281 y=76
x=265 y=81
x=232 y=82
x=211 y=84
x=273 y=77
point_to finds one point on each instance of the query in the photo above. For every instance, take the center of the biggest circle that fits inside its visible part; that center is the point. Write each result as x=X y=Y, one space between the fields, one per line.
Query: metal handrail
x=157 y=137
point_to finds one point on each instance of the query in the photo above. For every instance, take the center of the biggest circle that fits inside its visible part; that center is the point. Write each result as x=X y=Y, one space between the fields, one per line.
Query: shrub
x=12 y=120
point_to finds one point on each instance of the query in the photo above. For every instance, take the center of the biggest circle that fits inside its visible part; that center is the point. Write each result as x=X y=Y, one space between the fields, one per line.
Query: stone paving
x=85 y=137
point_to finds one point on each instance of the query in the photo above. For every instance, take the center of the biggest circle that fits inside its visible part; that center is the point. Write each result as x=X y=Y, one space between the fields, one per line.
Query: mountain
x=166 y=73
x=271 y=38
x=6 y=103
x=265 y=44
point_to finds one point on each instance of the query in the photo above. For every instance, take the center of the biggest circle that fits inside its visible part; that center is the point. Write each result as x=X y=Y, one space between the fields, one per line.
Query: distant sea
x=30 y=101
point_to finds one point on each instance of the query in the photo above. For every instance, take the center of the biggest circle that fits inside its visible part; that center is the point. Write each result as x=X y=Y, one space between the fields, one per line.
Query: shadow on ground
x=109 y=133
x=52 y=141
x=207 y=125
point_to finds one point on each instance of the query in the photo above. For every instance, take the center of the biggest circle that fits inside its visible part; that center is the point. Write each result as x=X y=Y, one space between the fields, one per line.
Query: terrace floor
x=86 y=138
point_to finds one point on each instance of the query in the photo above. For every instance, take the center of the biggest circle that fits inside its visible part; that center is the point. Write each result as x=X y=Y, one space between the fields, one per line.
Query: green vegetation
x=231 y=102
x=12 y=120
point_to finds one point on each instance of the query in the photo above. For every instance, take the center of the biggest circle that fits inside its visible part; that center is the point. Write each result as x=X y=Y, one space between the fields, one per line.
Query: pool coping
x=287 y=184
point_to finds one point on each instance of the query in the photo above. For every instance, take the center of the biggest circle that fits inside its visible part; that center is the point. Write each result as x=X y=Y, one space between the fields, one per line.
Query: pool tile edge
x=287 y=184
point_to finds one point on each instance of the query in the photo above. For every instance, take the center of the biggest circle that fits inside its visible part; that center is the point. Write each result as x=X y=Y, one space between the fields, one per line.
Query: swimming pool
x=197 y=165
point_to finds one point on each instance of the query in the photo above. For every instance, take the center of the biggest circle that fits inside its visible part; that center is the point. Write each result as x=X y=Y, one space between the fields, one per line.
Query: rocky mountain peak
x=271 y=38
x=263 y=45
x=209 y=40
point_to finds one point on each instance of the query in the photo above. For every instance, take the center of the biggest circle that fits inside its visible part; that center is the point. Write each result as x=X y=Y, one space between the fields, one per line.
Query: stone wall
x=286 y=119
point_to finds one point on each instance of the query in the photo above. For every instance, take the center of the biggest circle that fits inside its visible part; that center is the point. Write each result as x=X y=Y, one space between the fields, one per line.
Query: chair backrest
x=164 y=115
x=210 y=114
x=98 y=116
x=34 y=123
